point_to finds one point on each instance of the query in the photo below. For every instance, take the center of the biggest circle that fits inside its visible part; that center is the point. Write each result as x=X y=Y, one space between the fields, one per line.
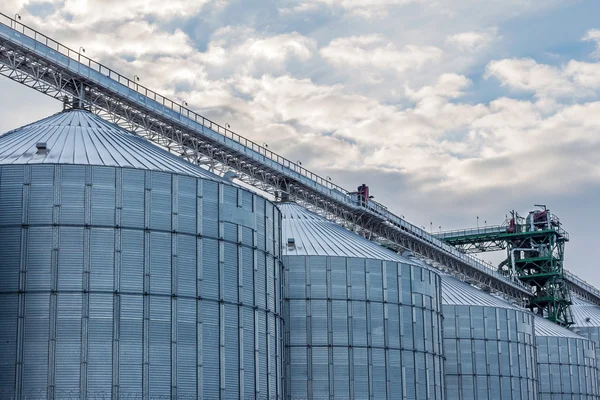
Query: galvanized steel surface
x=585 y=314
x=121 y=282
x=567 y=363
x=82 y=138
x=362 y=329
x=361 y=322
x=314 y=235
x=586 y=319
x=489 y=346
x=544 y=327
x=455 y=292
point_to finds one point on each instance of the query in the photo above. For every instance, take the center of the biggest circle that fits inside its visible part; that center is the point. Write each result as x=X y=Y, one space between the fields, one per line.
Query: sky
x=448 y=110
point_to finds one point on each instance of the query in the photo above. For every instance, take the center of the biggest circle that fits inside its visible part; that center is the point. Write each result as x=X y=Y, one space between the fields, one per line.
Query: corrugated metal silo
x=567 y=363
x=586 y=323
x=489 y=346
x=361 y=322
x=129 y=273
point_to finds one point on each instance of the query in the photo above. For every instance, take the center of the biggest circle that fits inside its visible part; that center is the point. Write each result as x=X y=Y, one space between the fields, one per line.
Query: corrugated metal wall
x=592 y=333
x=490 y=353
x=568 y=368
x=125 y=283
x=586 y=319
x=362 y=329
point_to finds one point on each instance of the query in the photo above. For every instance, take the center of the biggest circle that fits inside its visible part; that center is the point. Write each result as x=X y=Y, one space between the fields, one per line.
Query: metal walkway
x=476 y=240
x=471 y=232
x=34 y=60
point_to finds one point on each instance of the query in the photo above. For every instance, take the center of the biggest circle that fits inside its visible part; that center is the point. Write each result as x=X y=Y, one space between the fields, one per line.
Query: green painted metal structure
x=535 y=254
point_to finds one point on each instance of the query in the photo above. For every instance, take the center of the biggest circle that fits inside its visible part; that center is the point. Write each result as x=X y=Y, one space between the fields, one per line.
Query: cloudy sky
x=447 y=109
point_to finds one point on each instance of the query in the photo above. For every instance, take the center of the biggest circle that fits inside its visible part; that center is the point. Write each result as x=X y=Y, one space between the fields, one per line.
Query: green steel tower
x=535 y=254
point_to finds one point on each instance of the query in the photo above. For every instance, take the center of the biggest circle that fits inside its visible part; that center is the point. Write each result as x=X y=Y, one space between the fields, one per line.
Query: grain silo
x=586 y=322
x=130 y=273
x=489 y=346
x=361 y=322
x=567 y=363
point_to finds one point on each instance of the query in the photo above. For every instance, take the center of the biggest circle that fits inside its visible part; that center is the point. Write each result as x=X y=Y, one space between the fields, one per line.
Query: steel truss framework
x=480 y=247
x=477 y=240
x=22 y=65
x=493 y=238
x=535 y=254
x=541 y=267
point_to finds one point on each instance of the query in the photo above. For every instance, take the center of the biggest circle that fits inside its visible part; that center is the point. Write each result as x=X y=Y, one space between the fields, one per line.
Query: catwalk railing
x=484 y=230
x=45 y=65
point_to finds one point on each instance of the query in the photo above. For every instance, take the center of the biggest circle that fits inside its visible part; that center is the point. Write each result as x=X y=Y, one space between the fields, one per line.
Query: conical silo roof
x=82 y=138
x=314 y=235
x=585 y=314
x=455 y=292
x=544 y=327
x=458 y=293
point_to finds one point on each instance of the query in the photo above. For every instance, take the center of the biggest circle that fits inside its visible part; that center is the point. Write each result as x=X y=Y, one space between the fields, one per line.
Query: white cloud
x=319 y=108
x=10 y=5
x=300 y=8
x=447 y=86
x=361 y=8
x=136 y=39
x=585 y=75
x=23 y=105
x=472 y=41
x=528 y=75
x=94 y=15
x=440 y=145
x=248 y=50
x=100 y=10
x=380 y=9
x=574 y=80
x=374 y=51
x=537 y=152
x=593 y=35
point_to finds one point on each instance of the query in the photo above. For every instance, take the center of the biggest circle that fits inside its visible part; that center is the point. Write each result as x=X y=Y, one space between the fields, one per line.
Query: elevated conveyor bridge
x=476 y=240
x=36 y=61
x=535 y=254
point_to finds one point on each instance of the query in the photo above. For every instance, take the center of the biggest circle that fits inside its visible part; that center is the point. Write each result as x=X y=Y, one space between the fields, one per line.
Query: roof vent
x=230 y=176
x=291 y=242
x=587 y=319
x=408 y=254
x=41 y=147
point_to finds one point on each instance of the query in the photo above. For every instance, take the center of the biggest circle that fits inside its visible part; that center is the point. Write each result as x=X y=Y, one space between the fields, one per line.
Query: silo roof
x=316 y=236
x=585 y=314
x=458 y=293
x=455 y=292
x=80 y=137
x=544 y=327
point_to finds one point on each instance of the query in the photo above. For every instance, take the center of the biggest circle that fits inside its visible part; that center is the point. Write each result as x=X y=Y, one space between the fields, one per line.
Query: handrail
x=472 y=231
x=580 y=282
x=488 y=229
